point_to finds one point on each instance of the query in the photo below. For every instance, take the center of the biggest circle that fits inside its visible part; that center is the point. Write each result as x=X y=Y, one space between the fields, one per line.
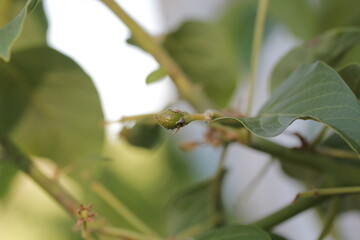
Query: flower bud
x=171 y=119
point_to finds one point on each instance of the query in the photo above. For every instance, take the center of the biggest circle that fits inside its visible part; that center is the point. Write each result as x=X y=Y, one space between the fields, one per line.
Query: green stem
x=287 y=212
x=329 y=191
x=194 y=95
x=218 y=178
x=53 y=188
x=121 y=209
x=124 y=233
x=337 y=153
x=333 y=211
x=133 y=118
x=318 y=139
x=254 y=182
x=345 y=174
x=256 y=45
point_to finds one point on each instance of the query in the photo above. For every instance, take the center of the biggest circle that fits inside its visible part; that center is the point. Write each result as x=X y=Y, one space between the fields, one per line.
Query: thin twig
x=318 y=139
x=333 y=211
x=124 y=233
x=121 y=209
x=256 y=45
x=254 y=182
x=133 y=118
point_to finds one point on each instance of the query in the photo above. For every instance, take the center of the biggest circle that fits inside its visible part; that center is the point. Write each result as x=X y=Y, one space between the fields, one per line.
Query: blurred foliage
x=196 y=206
x=41 y=77
x=11 y=31
x=235 y=233
x=203 y=52
x=144 y=133
x=334 y=47
x=304 y=19
x=51 y=108
x=7 y=175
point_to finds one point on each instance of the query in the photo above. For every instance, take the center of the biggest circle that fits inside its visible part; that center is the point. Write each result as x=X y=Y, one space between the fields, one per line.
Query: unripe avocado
x=170 y=119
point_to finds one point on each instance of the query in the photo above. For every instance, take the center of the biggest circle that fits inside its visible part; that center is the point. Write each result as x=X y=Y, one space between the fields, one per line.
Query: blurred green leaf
x=352 y=56
x=203 y=52
x=238 y=21
x=196 y=206
x=146 y=134
x=156 y=75
x=314 y=91
x=351 y=75
x=335 y=13
x=329 y=47
x=10 y=32
x=7 y=174
x=61 y=116
x=235 y=233
x=34 y=31
x=298 y=16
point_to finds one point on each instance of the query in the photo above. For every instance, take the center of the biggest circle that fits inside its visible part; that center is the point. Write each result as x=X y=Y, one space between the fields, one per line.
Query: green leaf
x=156 y=76
x=235 y=233
x=351 y=75
x=204 y=54
x=314 y=91
x=145 y=134
x=334 y=13
x=55 y=104
x=12 y=30
x=329 y=47
x=352 y=56
x=194 y=207
x=297 y=15
x=34 y=31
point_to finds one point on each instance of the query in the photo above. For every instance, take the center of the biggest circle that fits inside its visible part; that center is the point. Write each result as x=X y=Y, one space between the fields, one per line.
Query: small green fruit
x=171 y=119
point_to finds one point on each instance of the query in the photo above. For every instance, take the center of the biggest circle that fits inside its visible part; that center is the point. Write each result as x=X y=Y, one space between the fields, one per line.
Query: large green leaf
x=192 y=208
x=204 y=54
x=314 y=91
x=55 y=103
x=12 y=30
x=329 y=47
x=235 y=233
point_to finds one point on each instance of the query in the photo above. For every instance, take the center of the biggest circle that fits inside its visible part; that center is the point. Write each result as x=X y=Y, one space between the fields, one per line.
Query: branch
x=10 y=152
x=194 y=95
x=288 y=212
x=328 y=192
x=53 y=188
